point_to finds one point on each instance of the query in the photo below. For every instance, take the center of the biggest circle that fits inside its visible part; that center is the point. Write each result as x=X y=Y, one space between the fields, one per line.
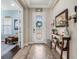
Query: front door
x=38 y=28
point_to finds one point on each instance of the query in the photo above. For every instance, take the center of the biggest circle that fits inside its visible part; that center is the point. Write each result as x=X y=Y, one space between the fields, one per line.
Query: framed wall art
x=61 y=20
x=16 y=24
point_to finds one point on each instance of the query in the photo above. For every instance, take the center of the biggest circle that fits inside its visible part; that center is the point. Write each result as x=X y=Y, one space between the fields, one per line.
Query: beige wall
x=26 y=26
x=30 y=24
x=60 y=6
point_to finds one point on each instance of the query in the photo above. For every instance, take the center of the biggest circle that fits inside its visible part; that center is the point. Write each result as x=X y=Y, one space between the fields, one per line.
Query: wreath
x=39 y=24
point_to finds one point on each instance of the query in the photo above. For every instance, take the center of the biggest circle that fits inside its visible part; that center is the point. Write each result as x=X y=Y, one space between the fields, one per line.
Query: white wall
x=48 y=24
x=60 y=6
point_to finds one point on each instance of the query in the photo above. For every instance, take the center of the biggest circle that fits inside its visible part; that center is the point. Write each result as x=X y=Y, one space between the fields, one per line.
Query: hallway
x=39 y=51
x=45 y=29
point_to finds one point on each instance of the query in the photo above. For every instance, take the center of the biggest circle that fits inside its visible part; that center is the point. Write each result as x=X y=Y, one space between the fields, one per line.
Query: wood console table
x=63 y=44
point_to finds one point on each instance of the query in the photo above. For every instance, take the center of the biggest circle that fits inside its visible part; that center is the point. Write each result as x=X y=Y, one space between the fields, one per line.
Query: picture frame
x=16 y=24
x=61 y=20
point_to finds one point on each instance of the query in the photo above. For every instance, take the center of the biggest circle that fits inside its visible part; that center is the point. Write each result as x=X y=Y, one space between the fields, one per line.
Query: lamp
x=74 y=15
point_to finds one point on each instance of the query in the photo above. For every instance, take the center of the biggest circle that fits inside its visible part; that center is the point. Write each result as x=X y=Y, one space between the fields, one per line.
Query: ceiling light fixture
x=12 y=4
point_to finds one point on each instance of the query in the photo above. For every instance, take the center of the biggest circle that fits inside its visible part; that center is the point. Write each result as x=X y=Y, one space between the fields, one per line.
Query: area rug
x=5 y=48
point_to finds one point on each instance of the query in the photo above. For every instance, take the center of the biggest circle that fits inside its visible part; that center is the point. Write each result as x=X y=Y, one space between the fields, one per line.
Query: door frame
x=20 y=28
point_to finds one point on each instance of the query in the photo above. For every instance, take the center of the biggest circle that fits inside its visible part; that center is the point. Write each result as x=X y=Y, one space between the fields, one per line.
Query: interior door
x=38 y=28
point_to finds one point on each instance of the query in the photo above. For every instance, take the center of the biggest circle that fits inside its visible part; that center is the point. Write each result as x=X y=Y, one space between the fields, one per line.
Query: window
x=39 y=21
x=7 y=24
x=39 y=18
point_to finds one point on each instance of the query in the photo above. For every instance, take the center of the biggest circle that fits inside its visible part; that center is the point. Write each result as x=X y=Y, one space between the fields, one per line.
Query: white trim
x=37 y=42
x=51 y=3
x=28 y=2
x=20 y=31
x=20 y=6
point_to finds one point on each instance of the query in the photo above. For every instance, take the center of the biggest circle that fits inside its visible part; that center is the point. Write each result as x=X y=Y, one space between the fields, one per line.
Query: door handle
x=33 y=30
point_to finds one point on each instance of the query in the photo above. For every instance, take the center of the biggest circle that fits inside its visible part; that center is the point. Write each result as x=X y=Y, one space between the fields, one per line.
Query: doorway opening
x=11 y=23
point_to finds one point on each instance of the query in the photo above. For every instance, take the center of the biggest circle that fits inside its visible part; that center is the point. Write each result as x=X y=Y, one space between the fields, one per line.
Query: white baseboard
x=37 y=42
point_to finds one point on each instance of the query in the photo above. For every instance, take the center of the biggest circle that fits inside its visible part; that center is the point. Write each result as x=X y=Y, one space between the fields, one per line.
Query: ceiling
x=9 y=5
x=39 y=3
x=12 y=5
